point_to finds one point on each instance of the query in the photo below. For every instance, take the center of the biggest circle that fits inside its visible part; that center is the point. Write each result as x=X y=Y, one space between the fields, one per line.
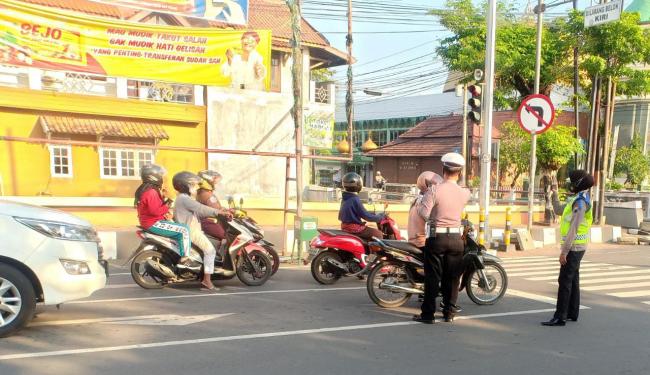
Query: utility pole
x=349 y=101
x=464 y=175
x=533 y=148
x=576 y=87
x=488 y=96
x=297 y=75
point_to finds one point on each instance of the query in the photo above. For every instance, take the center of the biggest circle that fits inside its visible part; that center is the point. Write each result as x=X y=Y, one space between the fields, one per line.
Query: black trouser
x=443 y=266
x=568 y=293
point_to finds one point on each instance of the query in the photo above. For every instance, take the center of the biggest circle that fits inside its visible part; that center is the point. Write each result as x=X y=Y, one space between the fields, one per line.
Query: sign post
x=603 y=13
x=536 y=114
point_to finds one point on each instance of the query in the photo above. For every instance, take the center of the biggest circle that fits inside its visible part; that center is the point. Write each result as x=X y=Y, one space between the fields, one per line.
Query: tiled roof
x=127 y=128
x=275 y=15
x=436 y=136
x=83 y=6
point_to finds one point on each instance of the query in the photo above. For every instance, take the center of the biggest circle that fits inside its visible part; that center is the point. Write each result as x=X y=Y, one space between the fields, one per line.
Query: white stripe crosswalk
x=621 y=281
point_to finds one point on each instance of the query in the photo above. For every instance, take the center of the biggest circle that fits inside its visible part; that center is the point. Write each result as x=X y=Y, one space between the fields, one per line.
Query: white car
x=46 y=256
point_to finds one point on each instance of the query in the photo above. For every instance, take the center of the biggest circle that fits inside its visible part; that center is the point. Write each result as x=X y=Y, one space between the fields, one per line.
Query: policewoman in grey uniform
x=443 y=253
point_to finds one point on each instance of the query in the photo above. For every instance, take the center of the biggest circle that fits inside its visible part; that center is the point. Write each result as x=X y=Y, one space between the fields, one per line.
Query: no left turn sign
x=536 y=114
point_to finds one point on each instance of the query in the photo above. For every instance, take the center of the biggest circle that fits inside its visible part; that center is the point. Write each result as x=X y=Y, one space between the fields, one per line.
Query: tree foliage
x=556 y=147
x=514 y=151
x=322 y=75
x=631 y=163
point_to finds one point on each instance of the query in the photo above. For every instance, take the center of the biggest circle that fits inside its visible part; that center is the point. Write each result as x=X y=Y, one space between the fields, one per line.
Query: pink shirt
x=448 y=199
x=418 y=215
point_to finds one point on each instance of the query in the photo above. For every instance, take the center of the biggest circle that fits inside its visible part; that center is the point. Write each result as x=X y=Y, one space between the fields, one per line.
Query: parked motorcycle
x=336 y=253
x=156 y=261
x=398 y=272
x=241 y=216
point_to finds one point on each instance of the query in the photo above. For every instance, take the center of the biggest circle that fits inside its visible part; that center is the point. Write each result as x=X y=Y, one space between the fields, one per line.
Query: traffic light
x=474 y=102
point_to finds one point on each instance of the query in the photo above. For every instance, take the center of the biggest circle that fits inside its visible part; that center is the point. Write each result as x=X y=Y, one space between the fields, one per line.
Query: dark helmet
x=152 y=174
x=580 y=181
x=209 y=176
x=182 y=181
x=352 y=182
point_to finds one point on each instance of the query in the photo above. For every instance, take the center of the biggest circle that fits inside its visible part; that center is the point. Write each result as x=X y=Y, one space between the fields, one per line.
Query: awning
x=127 y=128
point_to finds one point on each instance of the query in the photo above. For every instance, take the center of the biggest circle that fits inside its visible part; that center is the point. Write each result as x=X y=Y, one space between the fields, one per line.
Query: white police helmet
x=453 y=161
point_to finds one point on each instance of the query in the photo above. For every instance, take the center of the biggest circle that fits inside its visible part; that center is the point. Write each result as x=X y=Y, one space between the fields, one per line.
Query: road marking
x=588 y=275
x=585 y=272
x=119 y=286
x=637 y=293
x=139 y=319
x=616 y=286
x=531 y=261
x=538 y=297
x=646 y=302
x=251 y=336
x=525 y=258
x=555 y=266
x=204 y=295
x=121 y=274
x=613 y=280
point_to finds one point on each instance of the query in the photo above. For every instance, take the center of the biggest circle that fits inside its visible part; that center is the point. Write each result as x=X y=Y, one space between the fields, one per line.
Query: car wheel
x=17 y=300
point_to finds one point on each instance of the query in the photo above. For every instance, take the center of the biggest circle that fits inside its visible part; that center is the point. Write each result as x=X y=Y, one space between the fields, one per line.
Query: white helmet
x=453 y=161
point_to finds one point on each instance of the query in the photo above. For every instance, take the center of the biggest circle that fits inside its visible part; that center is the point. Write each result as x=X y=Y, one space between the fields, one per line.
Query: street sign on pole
x=536 y=114
x=603 y=13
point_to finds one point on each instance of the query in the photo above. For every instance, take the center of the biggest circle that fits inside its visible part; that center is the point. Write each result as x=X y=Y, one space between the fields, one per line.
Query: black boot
x=555 y=322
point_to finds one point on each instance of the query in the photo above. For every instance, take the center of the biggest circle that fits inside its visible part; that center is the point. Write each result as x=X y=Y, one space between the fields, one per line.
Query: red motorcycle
x=336 y=253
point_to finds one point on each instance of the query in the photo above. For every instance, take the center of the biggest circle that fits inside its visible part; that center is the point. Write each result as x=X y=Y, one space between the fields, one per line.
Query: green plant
x=632 y=163
x=613 y=185
x=475 y=182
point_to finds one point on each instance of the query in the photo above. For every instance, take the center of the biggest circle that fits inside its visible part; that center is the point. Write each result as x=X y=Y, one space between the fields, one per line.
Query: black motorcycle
x=398 y=272
x=156 y=261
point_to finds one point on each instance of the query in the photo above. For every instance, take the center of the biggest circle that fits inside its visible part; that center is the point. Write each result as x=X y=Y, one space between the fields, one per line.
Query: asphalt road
x=292 y=325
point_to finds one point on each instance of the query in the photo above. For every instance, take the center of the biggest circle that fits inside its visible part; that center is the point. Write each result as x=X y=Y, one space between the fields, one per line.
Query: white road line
x=251 y=336
x=595 y=274
x=108 y=320
x=531 y=262
x=556 y=266
x=522 y=259
x=582 y=271
x=204 y=295
x=615 y=286
x=613 y=280
x=535 y=297
x=636 y=293
x=119 y=286
x=646 y=302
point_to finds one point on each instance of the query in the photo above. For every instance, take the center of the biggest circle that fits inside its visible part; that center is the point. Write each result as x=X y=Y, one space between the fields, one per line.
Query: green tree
x=556 y=147
x=514 y=151
x=631 y=163
x=322 y=75
x=464 y=51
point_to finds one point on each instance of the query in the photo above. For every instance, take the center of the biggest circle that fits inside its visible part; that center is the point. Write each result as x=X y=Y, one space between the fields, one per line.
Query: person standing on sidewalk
x=443 y=253
x=574 y=229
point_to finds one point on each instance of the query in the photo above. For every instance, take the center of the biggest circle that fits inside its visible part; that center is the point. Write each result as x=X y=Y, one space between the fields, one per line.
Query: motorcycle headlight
x=61 y=231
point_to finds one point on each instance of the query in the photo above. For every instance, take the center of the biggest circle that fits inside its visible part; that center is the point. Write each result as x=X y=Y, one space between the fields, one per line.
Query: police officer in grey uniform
x=443 y=253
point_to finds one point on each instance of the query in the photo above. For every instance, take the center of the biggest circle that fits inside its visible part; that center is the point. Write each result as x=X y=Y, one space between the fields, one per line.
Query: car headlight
x=74 y=267
x=61 y=231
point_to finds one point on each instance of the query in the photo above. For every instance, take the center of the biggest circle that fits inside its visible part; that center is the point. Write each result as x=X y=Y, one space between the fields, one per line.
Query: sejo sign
x=603 y=13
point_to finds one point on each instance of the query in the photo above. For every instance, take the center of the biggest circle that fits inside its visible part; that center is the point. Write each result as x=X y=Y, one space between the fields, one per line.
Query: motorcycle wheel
x=381 y=273
x=324 y=272
x=275 y=259
x=139 y=272
x=482 y=294
x=246 y=272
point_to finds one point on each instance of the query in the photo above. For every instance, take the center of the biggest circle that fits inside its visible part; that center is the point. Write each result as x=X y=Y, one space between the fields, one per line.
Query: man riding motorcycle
x=352 y=210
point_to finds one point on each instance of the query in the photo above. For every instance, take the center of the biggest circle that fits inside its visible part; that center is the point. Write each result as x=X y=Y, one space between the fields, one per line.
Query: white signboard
x=536 y=114
x=603 y=13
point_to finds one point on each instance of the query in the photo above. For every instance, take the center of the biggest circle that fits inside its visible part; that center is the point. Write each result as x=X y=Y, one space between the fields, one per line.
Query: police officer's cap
x=453 y=161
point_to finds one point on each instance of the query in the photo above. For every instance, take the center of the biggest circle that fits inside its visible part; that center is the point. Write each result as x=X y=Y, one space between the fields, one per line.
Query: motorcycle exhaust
x=399 y=288
x=341 y=266
x=156 y=269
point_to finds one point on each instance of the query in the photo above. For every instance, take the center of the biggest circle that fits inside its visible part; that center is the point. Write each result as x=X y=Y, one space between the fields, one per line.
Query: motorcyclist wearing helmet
x=352 y=211
x=421 y=208
x=207 y=196
x=153 y=208
x=575 y=226
x=443 y=252
x=190 y=212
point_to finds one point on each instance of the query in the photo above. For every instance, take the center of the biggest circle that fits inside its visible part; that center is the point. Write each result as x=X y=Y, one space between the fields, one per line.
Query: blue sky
x=373 y=50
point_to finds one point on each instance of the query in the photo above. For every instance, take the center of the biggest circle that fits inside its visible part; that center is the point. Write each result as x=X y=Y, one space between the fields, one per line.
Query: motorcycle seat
x=403 y=245
x=337 y=232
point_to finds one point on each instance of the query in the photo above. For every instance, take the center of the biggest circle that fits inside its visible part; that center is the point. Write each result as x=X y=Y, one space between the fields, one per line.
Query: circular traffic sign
x=536 y=114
